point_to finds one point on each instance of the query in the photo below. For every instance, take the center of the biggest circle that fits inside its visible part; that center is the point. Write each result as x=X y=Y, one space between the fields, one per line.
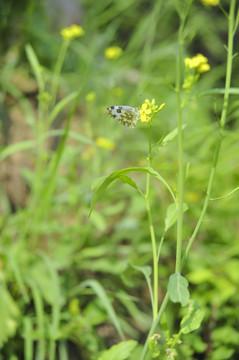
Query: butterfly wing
x=126 y=115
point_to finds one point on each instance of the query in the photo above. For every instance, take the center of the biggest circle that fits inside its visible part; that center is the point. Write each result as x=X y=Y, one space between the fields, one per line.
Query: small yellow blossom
x=90 y=96
x=105 y=143
x=194 y=67
x=149 y=109
x=72 y=32
x=210 y=2
x=203 y=68
x=195 y=61
x=113 y=52
x=144 y=112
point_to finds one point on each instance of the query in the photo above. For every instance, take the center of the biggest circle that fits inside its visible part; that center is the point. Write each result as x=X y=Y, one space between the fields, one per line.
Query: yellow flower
x=72 y=32
x=105 y=143
x=195 y=61
x=203 y=68
x=148 y=109
x=90 y=96
x=113 y=52
x=210 y=2
x=144 y=112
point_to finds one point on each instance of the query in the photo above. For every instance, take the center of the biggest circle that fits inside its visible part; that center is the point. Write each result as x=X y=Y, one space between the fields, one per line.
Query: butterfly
x=127 y=115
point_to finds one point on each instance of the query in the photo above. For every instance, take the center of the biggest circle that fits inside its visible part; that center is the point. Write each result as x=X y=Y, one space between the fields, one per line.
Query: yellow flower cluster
x=210 y=2
x=198 y=62
x=72 y=32
x=105 y=143
x=148 y=109
x=113 y=52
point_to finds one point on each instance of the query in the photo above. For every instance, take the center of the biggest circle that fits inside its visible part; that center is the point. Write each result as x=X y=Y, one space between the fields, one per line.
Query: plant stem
x=180 y=151
x=57 y=70
x=155 y=324
x=152 y=233
x=222 y=125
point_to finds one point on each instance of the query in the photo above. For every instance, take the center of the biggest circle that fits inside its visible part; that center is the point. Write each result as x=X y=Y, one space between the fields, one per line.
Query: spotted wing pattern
x=126 y=115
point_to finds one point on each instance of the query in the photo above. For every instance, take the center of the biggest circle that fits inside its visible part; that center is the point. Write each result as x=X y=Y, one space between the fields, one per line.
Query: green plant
x=177 y=286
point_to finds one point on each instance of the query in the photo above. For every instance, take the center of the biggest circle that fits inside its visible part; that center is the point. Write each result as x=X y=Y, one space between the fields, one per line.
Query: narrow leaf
x=127 y=180
x=100 y=292
x=31 y=55
x=147 y=271
x=119 y=173
x=172 y=135
x=218 y=91
x=61 y=104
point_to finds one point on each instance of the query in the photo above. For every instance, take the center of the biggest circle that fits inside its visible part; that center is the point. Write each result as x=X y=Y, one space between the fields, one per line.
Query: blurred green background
x=57 y=266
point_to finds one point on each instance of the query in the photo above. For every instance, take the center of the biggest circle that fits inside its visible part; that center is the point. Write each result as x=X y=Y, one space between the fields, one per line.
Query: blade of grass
x=30 y=144
x=31 y=55
x=28 y=339
x=18 y=277
x=101 y=293
x=56 y=307
x=38 y=303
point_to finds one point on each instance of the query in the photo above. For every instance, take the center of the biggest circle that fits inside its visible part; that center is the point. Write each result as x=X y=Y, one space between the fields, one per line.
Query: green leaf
x=100 y=292
x=147 y=271
x=222 y=353
x=192 y=320
x=127 y=180
x=31 y=55
x=61 y=104
x=9 y=314
x=218 y=91
x=119 y=174
x=177 y=288
x=172 y=214
x=225 y=335
x=170 y=136
x=97 y=182
x=120 y=351
x=31 y=144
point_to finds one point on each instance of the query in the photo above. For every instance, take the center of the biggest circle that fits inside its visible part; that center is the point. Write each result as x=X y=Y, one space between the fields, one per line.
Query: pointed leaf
x=119 y=173
x=170 y=136
x=120 y=351
x=147 y=271
x=172 y=214
x=101 y=293
x=61 y=104
x=127 y=180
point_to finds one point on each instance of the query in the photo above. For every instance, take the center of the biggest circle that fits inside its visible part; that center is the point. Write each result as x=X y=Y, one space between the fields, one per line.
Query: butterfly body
x=126 y=115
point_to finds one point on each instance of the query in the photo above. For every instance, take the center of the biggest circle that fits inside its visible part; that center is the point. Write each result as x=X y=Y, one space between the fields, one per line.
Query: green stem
x=154 y=325
x=57 y=71
x=180 y=151
x=152 y=233
x=222 y=125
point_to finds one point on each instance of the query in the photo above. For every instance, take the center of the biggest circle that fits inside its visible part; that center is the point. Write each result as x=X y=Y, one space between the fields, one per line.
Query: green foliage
x=9 y=315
